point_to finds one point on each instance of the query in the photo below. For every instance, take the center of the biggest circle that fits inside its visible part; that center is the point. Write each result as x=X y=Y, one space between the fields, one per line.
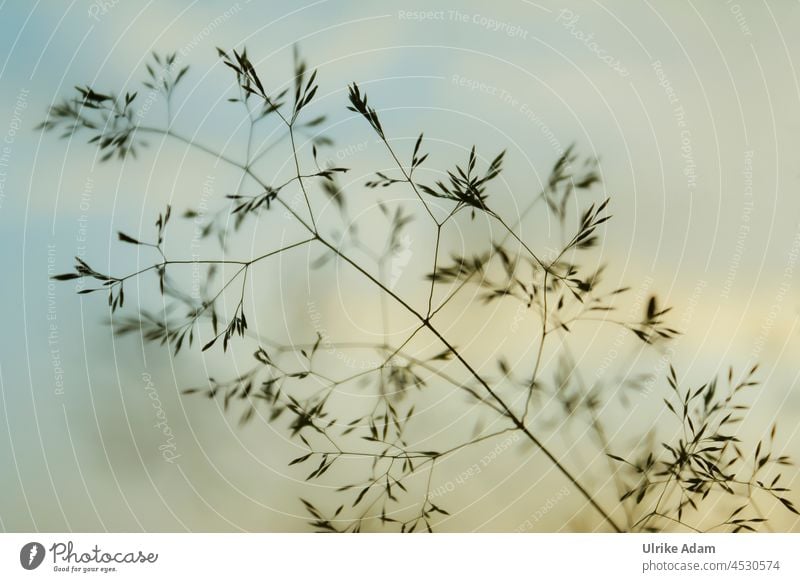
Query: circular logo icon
x=31 y=555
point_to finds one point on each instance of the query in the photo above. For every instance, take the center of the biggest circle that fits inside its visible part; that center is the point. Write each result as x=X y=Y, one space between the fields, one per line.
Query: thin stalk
x=424 y=320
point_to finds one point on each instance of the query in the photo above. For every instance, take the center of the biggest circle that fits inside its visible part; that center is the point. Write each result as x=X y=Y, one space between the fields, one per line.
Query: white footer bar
x=394 y=557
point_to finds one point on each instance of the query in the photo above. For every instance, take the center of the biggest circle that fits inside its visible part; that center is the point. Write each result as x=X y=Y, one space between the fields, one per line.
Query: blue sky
x=710 y=93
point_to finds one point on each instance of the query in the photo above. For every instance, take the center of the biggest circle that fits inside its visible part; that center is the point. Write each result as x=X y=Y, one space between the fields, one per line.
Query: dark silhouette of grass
x=661 y=486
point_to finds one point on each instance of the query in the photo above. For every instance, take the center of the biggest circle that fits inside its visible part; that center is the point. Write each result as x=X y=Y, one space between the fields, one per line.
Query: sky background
x=696 y=124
